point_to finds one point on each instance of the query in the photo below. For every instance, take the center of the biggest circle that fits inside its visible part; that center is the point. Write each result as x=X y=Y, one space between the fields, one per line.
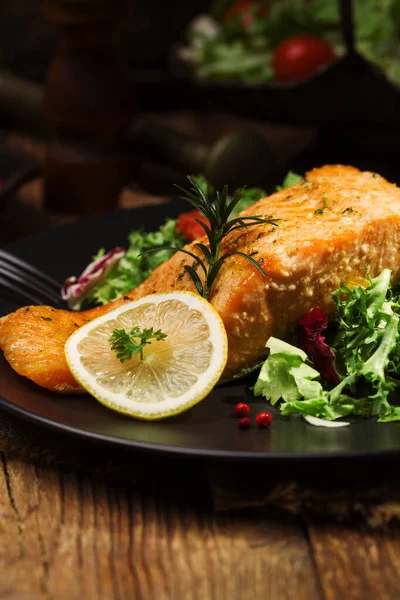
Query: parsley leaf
x=125 y=345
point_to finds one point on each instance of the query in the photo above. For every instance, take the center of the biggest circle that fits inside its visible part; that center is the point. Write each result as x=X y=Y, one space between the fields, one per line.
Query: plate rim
x=195 y=453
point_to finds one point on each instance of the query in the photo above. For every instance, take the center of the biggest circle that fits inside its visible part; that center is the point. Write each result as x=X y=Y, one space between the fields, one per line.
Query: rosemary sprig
x=125 y=345
x=217 y=213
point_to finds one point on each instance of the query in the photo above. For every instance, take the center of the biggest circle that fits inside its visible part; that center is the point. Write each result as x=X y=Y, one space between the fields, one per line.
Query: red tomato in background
x=189 y=227
x=241 y=8
x=299 y=56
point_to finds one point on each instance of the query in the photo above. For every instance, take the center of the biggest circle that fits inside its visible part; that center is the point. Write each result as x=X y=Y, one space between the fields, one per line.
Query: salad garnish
x=133 y=266
x=125 y=345
x=367 y=349
x=76 y=289
x=240 y=40
x=256 y=41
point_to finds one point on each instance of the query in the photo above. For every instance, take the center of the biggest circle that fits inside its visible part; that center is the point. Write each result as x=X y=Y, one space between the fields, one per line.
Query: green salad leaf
x=292 y=17
x=248 y=197
x=291 y=178
x=367 y=352
x=245 y=53
x=287 y=374
x=377 y=34
x=230 y=50
x=135 y=267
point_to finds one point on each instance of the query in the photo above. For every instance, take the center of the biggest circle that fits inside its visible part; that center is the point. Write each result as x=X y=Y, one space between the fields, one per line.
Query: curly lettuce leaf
x=367 y=348
x=367 y=344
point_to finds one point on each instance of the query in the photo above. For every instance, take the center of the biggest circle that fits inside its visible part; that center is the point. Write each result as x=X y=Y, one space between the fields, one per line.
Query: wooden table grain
x=68 y=536
x=68 y=533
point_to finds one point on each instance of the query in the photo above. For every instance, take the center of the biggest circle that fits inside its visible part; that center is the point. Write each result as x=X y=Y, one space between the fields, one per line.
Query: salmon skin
x=336 y=223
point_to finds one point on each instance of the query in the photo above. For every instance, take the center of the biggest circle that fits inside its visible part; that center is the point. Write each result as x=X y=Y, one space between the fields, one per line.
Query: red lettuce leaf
x=311 y=340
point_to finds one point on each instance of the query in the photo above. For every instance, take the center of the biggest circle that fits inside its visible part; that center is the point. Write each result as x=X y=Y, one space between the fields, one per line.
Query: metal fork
x=29 y=282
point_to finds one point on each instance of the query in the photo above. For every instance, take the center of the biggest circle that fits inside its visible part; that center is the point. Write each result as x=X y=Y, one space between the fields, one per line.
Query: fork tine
x=37 y=273
x=32 y=287
x=31 y=297
x=26 y=280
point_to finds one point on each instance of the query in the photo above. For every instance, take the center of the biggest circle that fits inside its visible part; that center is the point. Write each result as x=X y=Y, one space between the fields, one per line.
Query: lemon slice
x=174 y=374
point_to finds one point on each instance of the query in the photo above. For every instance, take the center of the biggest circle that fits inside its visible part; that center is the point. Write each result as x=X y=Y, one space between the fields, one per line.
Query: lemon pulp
x=174 y=373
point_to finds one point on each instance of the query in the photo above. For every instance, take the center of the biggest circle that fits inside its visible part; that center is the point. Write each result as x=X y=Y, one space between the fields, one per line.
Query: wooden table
x=150 y=530
x=67 y=535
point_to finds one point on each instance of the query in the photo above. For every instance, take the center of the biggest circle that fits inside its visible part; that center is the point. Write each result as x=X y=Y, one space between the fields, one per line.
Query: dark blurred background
x=232 y=133
x=27 y=40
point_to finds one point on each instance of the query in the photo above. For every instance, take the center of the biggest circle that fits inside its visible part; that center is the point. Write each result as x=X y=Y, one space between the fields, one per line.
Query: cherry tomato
x=242 y=8
x=299 y=56
x=188 y=226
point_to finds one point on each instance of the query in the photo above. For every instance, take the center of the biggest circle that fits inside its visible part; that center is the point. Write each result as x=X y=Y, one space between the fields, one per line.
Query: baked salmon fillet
x=334 y=224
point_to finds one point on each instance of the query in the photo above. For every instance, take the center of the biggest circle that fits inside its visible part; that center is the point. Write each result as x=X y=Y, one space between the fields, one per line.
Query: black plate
x=207 y=430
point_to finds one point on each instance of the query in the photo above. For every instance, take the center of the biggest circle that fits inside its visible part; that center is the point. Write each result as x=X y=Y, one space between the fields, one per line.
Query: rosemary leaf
x=197 y=259
x=212 y=240
x=214 y=270
x=247 y=257
x=229 y=209
x=204 y=250
x=196 y=279
x=244 y=222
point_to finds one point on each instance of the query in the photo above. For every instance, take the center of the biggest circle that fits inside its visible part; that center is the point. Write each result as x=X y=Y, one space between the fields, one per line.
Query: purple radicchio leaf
x=311 y=340
x=74 y=289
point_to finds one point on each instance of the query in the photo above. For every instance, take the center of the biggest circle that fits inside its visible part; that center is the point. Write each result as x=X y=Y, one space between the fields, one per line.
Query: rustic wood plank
x=66 y=536
x=268 y=559
x=23 y=571
x=357 y=563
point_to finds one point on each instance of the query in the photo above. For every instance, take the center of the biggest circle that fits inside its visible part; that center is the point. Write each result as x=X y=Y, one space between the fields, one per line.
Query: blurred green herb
x=244 y=53
x=291 y=179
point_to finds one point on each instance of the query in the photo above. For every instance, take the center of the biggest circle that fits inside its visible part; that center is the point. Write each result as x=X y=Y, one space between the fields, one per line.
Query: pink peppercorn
x=264 y=419
x=244 y=423
x=242 y=409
